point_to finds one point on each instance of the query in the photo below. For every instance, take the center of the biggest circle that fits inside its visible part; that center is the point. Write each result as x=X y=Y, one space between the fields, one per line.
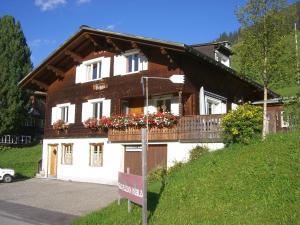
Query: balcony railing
x=205 y=129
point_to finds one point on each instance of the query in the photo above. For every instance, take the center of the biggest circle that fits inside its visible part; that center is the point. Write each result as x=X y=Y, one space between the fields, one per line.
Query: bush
x=157 y=174
x=292 y=112
x=242 y=125
x=197 y=152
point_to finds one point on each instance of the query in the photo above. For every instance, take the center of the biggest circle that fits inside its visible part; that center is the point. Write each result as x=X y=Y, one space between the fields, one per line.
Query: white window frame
x=129 y=53
x=88 y=63
x=71 y=108
x=283 y=122
x=98 y=161
x=67 y=154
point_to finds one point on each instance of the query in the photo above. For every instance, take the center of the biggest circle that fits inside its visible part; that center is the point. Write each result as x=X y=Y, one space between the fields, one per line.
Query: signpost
x=135 y=187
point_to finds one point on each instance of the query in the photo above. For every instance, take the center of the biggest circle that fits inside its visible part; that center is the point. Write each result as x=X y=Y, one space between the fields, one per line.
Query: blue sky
x=48 y=23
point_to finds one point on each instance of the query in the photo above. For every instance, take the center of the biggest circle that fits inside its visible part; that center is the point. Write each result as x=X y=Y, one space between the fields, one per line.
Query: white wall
x=113 y=159
x=80 y=170
x=180 y=151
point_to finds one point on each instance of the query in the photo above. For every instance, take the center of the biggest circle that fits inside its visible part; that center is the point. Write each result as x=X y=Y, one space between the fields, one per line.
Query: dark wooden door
x=157 y=156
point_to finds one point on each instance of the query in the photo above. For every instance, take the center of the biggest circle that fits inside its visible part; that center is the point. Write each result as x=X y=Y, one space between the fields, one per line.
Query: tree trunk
x=265 y=119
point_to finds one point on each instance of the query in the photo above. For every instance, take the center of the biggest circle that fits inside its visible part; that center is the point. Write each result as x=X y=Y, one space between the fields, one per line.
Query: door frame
x=49 y=160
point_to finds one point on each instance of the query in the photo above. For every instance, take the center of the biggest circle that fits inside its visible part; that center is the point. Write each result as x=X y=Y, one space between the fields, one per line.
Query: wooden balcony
x=202 y=129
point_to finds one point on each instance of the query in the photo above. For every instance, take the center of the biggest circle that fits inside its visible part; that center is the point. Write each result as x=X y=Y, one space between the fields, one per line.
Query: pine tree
x=264 y=24
x=14 y=65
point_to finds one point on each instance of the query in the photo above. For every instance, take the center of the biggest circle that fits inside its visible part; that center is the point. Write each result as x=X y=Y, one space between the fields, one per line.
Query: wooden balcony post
x=180 y=102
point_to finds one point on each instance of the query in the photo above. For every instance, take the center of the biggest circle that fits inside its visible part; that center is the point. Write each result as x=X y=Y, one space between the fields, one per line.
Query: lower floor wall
x=75 y=163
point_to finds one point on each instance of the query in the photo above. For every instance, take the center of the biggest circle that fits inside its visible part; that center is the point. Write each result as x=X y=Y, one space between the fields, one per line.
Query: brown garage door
x=157 y=156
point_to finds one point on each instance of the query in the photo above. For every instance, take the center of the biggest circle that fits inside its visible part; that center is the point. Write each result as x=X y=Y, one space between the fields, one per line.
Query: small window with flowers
x=96 y=154
x=67 y=154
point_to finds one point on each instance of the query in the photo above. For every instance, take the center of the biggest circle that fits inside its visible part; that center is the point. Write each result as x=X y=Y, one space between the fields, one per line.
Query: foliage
x=292 y=112
x=243 y=184
x=158 y=174
x=14 y=65
x=288 y=91
x=121 y=122
x=242 y=124
x=60 y=125
x=197 y=152
x=24 y=160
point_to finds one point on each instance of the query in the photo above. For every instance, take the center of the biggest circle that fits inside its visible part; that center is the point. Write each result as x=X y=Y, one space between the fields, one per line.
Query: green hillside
x=23 y=160
x=254 y=184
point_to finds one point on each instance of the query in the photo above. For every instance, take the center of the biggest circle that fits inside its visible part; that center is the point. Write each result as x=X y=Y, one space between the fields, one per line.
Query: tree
x=14 y=65
x=264 y=24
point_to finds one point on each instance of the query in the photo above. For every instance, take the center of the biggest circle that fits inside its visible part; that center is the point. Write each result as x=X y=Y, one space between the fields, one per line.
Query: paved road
x=50 y=202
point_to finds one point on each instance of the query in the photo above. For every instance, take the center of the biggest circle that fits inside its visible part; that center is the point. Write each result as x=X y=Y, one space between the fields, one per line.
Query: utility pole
x=297 y=57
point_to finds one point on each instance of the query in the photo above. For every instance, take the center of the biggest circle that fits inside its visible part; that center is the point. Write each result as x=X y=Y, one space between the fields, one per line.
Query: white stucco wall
x=80 y=170
x=180 y=151
x=113 y=158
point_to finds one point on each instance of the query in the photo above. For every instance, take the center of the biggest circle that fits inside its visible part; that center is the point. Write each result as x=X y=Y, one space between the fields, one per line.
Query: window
x=124 y=107
x=94 y=71
x=67 y=154
x=163 y=105
x=96 y=154
x=284 y=120
x=97 y=109
x=132 y=63
x=64 y=113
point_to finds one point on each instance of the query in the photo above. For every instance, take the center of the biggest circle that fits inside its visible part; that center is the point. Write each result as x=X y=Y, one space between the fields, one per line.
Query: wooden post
x=129 y=206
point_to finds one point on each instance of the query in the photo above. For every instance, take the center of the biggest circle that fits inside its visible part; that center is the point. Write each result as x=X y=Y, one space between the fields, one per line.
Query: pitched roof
x=175 y=46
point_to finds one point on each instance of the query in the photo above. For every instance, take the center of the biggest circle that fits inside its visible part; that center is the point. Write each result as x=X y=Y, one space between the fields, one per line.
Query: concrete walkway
x=51 y=202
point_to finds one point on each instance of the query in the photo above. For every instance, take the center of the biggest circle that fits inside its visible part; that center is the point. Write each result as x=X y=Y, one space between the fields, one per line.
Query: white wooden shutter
x=80 y=74
x=202 y=104
x=143 y=63
x=54 y=115
x=106 y=107
x=105 y=67
x=71 y=116
x=175 y=107
x=119 y=65
x=87 y=109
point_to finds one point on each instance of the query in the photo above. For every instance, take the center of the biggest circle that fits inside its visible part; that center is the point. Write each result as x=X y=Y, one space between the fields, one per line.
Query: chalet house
x=98 y=73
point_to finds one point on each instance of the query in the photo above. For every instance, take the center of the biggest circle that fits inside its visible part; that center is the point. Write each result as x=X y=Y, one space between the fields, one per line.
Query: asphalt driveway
x=51 y=202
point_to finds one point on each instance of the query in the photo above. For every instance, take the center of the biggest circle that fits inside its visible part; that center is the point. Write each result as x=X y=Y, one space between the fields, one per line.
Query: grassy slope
x=254 y=184
x=23 y=160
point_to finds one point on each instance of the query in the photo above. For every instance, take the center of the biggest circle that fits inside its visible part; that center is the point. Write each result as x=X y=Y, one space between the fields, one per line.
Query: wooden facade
x=56 y=76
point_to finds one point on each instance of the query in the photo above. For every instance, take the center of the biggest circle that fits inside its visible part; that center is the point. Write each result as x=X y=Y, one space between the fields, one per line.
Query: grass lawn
x=23 y=160
x=254 y=184
x=288 y=91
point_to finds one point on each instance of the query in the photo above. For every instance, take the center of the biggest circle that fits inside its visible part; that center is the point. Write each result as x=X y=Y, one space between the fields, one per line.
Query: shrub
x=242 y=124
x=176 y=166
x=292 y=112
x=158 y=174
x=197 y=152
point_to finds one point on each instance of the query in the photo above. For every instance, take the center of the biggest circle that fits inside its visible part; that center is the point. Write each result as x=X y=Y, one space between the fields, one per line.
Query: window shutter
x=175 y=107
x=143 y=63
x=106 y=107
x=71 y=116
x=79 y=77
x=54 y=115
x=119 y=65
x=105 y=67
x=87 y=109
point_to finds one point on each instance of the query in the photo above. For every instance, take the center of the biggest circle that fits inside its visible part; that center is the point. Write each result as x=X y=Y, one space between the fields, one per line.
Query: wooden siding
x=157 y=156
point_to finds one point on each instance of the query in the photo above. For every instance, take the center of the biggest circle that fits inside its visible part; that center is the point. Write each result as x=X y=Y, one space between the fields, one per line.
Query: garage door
x=157 y=156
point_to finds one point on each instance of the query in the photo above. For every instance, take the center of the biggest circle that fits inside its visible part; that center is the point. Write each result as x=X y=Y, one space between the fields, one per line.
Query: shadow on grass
x=153 y=199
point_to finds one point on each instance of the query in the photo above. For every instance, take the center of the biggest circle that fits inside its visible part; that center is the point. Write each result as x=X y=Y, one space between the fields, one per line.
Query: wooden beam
x=40 y=84
x=58 y=72
x=76 y=58
x=95 y=43
x=111 y=42
x=136 y=46
x=164 y=52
